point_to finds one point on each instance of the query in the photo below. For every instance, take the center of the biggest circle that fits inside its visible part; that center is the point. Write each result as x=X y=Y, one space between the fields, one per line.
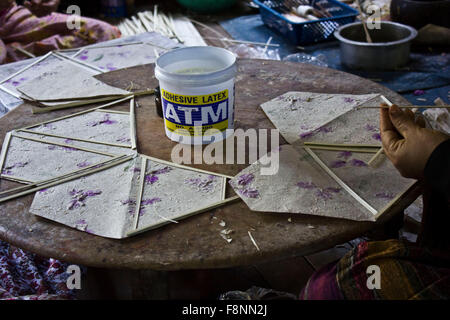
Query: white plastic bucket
x=197 y=93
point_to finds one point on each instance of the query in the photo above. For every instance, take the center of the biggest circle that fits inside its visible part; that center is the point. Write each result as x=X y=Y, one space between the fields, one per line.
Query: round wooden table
x=195 y=243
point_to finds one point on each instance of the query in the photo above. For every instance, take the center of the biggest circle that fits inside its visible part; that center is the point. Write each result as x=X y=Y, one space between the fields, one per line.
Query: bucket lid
x=169 y=65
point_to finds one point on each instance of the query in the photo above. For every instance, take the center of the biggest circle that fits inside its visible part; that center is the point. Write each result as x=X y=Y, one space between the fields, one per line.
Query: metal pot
x=389 y=50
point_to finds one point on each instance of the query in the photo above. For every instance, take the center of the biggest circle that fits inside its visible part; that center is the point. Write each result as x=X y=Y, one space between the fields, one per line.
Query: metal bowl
x=389 y=50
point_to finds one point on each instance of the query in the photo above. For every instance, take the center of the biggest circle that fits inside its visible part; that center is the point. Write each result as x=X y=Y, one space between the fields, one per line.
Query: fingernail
x=394 y=110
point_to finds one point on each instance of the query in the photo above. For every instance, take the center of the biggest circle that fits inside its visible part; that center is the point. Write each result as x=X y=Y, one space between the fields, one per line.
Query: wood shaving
x=253 y=240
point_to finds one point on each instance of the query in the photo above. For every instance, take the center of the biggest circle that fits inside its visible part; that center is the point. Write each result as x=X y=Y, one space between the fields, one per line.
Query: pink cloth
x=25 y=276
x=20 y=28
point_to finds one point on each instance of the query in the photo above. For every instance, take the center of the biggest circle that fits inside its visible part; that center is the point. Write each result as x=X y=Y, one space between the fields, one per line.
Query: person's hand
x=41 y=7
x=407 y=143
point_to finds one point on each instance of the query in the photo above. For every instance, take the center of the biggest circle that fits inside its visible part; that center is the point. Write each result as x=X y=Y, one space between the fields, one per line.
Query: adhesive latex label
x=195 y=114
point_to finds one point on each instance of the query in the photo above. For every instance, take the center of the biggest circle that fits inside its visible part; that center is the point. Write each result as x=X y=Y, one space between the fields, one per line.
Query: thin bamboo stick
x=373 y=161
x=78 y=62
x=132 y=125
x=36 y=183
x=65 y=145
x=10 y=92
x=15 y=179
x=340 y=182
x=25 y=52
x=186 y=215
x=141 y=190
x=113 y=111
x=78 y=113
x=344 y=145
x=176 y=165
x=54 y=183
x=76 y=139
x=5 y=147
x=88 y=101
x=224 y=188
x=356 y=150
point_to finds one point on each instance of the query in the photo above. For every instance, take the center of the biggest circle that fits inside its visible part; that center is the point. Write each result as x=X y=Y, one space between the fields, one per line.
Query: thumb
x=401 y=121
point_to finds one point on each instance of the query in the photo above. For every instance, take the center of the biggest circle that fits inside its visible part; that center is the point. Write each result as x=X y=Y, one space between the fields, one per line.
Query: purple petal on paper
x=81 y=221
x=358 y=163
x=128 y=201
x=6 y=172
x=324 y=194
x=418 y=92
x=79 y=197
x=123 y=139
x=305 y=185
x=306 y=134
x=325 y=129
x=344 y=154
x=245 y=179
x=162 y=171
x=84 y=57
x=348 y=99
x=136 y=169
x=49 y=126
x=106 y=120
x=370 y=127
x=249 y=193
x=338 y=164
x=17 y=165
x=376 y=136
x=204 y=185
x=332 y=190
x=150 y=201
x=83 y=164
x=384 y=195
x=110 y=67
x=68 y=141
x=151 y=179
x=43 y=190
x=51 y=147
x=15 y=83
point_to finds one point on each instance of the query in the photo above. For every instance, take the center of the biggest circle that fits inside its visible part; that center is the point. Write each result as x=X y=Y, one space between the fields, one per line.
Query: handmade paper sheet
x=298 y=114
x=97 y=126
x=104 y=203
x=36 y=161
x=67 y=81
x=300 y=186
x=170 y=192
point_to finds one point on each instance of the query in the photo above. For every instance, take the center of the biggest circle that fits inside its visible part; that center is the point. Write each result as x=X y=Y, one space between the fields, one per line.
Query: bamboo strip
x=78 y=113
x=340 y=182
x=186 y=215
x=76 y=139
x=26 y=68
x=94 y=46
x=356 y=150
x=25 y=52
x=4 y=151
x=373 y=161
x=132 y=125
x=10 y=92
x=141 y=190
x=408 y=107
x=36 y=183
x=386 y=100
x=88 y=101
x=253 y=240
x=343 y=145
x=224 y=188
x=78 y=62
x=15 y=179
x=54 y=183
x=65 y=145
x=181 y=166
x=113 y=111
x=393 y=201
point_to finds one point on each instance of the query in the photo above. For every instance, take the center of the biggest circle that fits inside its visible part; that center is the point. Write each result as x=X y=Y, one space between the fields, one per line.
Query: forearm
x=437 y=171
